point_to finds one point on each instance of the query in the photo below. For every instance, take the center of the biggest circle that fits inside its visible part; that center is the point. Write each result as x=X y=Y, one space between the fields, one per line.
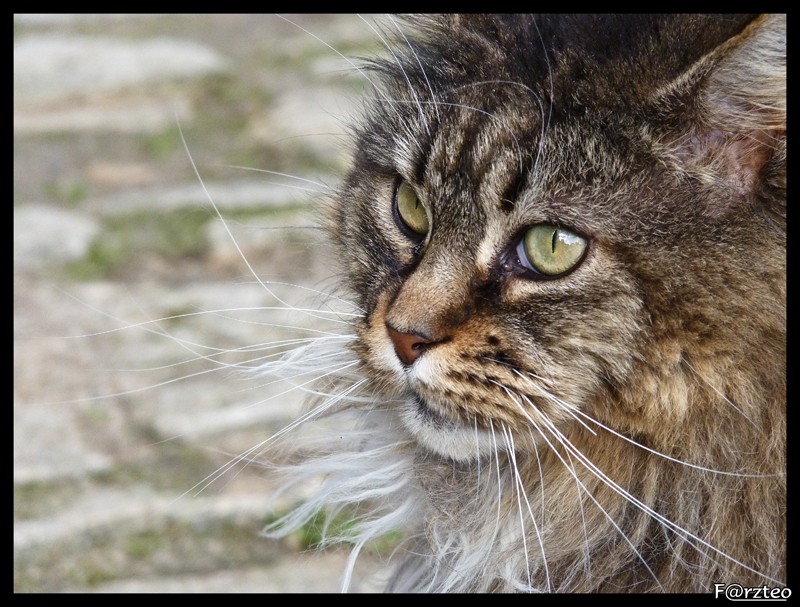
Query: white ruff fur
x=358 y=455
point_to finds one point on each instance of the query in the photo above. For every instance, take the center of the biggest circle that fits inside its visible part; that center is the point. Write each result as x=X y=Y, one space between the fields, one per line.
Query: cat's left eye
x=410 y=214
x=549 y=250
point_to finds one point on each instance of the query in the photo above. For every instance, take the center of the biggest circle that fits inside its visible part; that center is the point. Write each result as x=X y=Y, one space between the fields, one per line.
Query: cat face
x=529 y=254
x=473 y=321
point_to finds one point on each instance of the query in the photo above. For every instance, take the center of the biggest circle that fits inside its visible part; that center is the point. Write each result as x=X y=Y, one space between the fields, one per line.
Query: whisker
x=391 y=103
x=329 y=296
x=721 y=395
x=576 y=411
x=647 y=509
x=411 y=88
x=553 y=399
x=311 y=312
x=578 y=487
x=562 y=440
x=545 y=125
x=280 y=345
x=499 y=479
x=522 y=492
x=258 y=447
x=667 y=457
x=477 y=450
x=222 y=219
x=421 y=68
x=321 y=187
x=331 y=401
x=541 y=472
x=221 y=312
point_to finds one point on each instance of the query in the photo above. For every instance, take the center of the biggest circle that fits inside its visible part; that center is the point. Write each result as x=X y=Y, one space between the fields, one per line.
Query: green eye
x=550 y=250
x=411 y=214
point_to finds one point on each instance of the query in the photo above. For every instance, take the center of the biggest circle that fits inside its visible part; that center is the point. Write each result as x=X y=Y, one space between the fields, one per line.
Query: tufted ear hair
x=737 y=115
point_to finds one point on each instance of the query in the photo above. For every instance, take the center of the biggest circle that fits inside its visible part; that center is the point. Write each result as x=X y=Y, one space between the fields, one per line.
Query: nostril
x=408 y=346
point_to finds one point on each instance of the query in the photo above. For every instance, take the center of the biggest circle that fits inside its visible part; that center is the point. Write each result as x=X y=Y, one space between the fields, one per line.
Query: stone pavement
x=119 y=417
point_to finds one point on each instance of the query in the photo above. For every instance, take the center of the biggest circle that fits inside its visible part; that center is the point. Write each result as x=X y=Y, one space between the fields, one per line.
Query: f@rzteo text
x=737 y=592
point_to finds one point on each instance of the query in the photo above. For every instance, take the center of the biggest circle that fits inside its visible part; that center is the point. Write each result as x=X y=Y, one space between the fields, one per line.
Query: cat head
x=560 y=217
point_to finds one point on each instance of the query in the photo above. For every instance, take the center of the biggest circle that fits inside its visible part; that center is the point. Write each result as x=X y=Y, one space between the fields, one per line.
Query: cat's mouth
x=444 y=435
x=429 y=415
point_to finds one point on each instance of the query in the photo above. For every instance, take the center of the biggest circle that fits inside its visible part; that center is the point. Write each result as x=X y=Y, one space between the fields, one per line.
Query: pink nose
x=408 y=346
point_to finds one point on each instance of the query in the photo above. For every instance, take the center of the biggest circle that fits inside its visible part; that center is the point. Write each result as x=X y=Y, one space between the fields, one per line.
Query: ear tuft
x=739 y=118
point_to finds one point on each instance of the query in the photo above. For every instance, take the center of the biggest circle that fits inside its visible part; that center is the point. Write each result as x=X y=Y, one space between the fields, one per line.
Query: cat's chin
x=445 y=436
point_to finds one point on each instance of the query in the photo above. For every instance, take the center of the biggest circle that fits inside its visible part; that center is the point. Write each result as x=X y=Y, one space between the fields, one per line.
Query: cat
x=564 y=237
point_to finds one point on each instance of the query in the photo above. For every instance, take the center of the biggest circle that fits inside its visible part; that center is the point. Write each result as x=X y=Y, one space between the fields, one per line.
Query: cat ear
x=738 y=93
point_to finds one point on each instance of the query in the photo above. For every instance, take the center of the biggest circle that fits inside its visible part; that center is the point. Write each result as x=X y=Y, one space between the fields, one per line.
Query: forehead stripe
x=511 y=194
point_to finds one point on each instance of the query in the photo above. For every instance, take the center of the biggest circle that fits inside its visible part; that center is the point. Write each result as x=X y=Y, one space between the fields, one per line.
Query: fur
x=618 y=428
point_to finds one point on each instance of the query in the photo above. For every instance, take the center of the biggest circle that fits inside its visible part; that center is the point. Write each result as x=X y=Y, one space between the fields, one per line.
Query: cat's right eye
x=411 y=215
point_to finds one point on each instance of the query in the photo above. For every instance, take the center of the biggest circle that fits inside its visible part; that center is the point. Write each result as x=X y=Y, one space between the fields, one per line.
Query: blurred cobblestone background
x=113 y=428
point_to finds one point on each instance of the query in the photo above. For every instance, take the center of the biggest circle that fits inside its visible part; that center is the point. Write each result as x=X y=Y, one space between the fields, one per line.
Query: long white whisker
x=721 y=395
x=224 y=223
x=318 y=39
x=541 y=473
x=220 y=312
x=562 y=440
x=647 y=509
x=554 y=399
x=667 y=457
x=330 y=401
x=161 y=332
x=419 y=62
x=361 y=72
x=254 y=363
x=321 y=187
x=477 y=450
x=337 y=370
x=258 y=447
x=312 y=312
x=578 y=487
x=280 y=345
x=405 y=75
x=521 y=491
x=499 y=479
x=318 y=292
x=576 y=411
